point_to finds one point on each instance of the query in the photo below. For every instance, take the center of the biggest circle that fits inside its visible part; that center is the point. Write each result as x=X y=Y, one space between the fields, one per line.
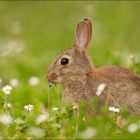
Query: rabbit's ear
x=83 y=34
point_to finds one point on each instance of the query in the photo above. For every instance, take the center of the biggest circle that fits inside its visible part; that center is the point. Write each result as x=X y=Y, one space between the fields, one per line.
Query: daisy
x=33 y=81
x=114 y=109
x=7 y=89
x=100 y=89
x=29 y=107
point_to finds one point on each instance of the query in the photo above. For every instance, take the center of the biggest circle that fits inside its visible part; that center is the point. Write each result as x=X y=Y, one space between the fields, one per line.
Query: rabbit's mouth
x=52 y=77
x=51 y=83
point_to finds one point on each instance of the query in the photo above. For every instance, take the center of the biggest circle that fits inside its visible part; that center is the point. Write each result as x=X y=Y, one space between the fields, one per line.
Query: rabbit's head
x=75 y=61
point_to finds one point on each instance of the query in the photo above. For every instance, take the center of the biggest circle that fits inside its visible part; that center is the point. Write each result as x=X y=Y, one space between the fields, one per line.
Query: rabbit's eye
x=64 y=61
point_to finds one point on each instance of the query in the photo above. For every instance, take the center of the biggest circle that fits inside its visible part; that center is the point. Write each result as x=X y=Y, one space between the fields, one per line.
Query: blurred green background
x=45 y=28
x=32 y=33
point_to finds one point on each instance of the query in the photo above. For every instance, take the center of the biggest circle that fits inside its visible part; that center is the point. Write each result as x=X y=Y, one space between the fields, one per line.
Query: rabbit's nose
x=51 y=77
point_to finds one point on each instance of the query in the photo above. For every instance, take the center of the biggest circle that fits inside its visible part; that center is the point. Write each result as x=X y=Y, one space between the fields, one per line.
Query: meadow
x=32 y=33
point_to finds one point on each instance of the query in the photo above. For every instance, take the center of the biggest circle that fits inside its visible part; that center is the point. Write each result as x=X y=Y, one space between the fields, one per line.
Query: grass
x=31 y=35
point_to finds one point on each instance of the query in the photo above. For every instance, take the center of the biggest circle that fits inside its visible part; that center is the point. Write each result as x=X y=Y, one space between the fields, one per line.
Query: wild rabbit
x=80 y=80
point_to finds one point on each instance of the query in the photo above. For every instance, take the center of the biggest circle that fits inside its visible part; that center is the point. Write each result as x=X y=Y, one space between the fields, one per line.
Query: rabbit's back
x=122 y=85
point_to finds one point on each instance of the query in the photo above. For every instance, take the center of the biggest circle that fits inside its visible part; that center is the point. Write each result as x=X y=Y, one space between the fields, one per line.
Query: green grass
x=45 y=28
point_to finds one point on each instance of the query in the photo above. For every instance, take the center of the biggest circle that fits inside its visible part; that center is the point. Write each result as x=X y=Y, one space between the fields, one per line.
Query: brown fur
x=80 y=79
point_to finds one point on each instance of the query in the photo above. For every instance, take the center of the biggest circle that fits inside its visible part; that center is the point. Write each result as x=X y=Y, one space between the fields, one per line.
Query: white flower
x=111 y=108
x=5 y=119
x=36 y=132
x=42 y=118
x=114 y=109
x=14 y=82
x=7 y=89
x=100 y=89
x=34 y=81
x=89 y=133
x=55 y=108
x=29 y=107
x=7 y=105
x=132 y=128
